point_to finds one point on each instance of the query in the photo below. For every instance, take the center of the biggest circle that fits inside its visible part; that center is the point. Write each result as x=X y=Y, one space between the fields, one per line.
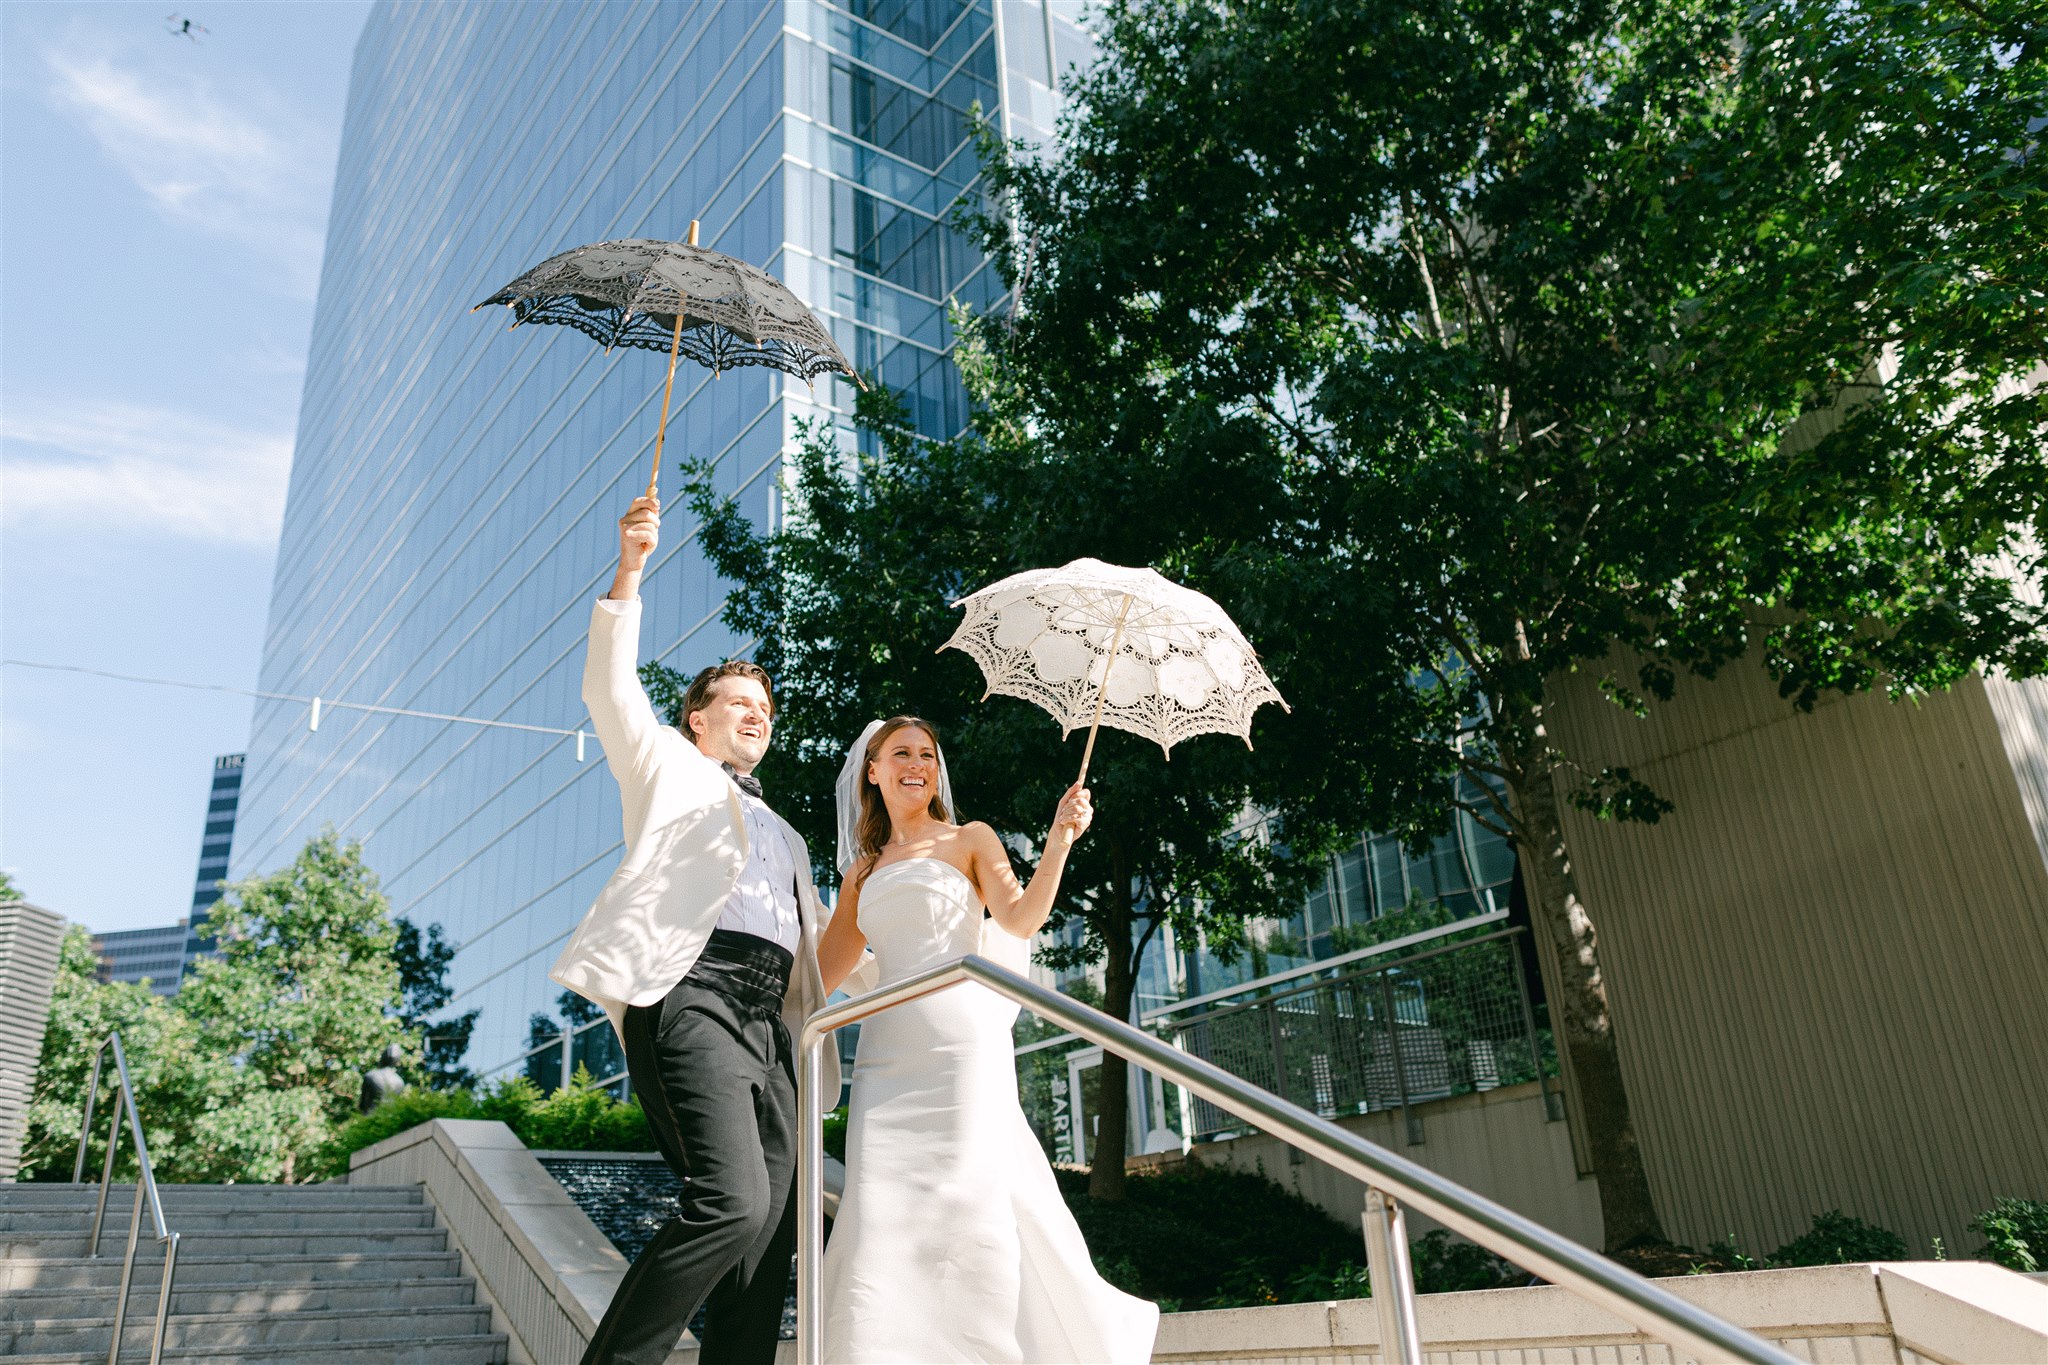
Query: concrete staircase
x=266 y=1275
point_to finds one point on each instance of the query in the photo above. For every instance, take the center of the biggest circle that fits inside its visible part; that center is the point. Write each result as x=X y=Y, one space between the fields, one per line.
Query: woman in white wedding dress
x=952 y=1242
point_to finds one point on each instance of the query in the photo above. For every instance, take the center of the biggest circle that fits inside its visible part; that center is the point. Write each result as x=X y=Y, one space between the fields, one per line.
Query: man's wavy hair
x=705 y=685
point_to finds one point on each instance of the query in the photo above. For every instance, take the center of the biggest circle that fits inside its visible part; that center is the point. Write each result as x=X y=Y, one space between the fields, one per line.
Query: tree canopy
x=1623 y=336
x=251 y=1068
x=852 y=595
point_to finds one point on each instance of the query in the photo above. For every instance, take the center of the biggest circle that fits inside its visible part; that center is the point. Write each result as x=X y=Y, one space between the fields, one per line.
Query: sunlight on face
x=735 y=726
x=907 y=769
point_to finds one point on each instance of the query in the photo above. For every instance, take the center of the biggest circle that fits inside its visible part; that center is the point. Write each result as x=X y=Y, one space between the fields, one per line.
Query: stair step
x=51 y=1194
x=337 y=1295
x=326 y=1274
x=295 y=1242
x=60 y=1335
x=72 y=1222
x=197 y=1269
x=482 y=1349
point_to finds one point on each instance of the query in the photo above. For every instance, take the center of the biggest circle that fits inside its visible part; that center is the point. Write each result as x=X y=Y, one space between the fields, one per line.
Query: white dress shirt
x=763 y=900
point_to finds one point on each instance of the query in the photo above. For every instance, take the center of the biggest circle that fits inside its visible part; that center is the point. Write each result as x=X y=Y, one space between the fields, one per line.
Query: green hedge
x=1192 y=1236
x=1196 y=1236
x=581 y=1117
x=1837 y=1239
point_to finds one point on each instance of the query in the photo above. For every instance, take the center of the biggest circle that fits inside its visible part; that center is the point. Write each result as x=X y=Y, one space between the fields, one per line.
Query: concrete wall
x=1494 y=1141
x=1907 y=1314
x=543 y=1267
x=546 y=1270
x=1827 y=964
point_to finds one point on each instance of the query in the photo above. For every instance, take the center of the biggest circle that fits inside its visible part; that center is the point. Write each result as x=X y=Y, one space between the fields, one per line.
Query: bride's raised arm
x=1018 y=909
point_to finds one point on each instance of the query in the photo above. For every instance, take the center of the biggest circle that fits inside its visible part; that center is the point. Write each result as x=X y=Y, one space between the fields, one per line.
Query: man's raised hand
x=639 y=533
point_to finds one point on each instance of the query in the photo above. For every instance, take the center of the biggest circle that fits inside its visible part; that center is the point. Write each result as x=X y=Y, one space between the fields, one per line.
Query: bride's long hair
x=873 y=829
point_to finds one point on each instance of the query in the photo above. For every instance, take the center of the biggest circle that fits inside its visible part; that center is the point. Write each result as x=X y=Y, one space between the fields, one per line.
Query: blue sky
x=162 y=210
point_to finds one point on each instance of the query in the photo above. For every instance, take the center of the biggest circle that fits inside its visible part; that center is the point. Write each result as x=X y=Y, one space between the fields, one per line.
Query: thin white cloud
x=258 y=176
x=269 y=358
x=129 y=467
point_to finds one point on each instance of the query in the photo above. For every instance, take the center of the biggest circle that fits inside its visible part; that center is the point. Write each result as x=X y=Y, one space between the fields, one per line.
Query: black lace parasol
x=677 y=297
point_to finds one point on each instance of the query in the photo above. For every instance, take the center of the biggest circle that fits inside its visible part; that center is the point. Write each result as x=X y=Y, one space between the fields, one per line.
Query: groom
x=703 y=950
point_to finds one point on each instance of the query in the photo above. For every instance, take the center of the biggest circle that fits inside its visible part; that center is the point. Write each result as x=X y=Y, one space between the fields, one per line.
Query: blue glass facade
x=137 y=955
x=454 y=491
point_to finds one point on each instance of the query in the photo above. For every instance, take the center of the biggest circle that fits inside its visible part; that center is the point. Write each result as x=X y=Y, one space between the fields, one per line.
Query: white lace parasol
x=1094 y=643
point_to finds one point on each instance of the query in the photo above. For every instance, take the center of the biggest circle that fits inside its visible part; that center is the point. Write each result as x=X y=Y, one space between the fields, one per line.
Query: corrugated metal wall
x=1829 y=966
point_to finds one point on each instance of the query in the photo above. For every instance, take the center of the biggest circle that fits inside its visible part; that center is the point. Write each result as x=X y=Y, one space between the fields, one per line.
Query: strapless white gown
x=952 y=1242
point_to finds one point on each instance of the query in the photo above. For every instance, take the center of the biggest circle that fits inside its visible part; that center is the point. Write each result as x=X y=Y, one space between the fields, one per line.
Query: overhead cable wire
x=318 y=704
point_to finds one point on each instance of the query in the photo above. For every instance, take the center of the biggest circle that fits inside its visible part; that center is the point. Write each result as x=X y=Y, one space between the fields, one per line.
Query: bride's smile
x=906 y=773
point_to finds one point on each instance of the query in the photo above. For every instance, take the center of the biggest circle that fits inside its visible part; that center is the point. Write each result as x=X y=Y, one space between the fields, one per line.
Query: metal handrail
x=145 y=1181
x=1391 y=1182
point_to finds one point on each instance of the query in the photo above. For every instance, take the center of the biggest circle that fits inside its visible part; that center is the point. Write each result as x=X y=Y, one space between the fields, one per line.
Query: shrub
x=1445 y=1265
x=581 y=1117
x=1837 y=1239
x=1442 y=1264
x=2015 y=1234
x=1207 y=1237
x=1196 y=1236
x=394 y=1116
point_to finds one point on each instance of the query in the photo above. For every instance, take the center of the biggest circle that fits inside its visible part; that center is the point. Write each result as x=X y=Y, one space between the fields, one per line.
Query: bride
x=952 y=1242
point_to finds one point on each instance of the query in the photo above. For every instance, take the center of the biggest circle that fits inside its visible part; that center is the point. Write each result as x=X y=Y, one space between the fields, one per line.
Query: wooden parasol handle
x=675 y=347
x=1103 y=695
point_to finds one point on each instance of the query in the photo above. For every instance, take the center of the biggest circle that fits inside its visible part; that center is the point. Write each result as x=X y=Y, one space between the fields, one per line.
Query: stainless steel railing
x=145 y=1184
x=1391 y=1182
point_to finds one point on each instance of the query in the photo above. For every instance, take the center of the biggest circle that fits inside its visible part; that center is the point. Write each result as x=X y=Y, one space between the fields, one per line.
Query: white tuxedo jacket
x=686 y=843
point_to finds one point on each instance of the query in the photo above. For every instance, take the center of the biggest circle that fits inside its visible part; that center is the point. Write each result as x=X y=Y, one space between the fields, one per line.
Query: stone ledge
x=1964 y=1312
x=1947 y=1313
x=548 y=1274
x=542 y=1264
x=547 y=1271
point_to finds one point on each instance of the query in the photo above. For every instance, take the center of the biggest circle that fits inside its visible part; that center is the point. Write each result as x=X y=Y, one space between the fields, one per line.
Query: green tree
x=1627 y=336
x=851 y=597
x=250 y=1070
x=163 y=1063
x=302 y=998
x=8 y=890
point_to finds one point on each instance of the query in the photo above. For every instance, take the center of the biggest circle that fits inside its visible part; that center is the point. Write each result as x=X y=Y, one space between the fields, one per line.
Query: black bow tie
x=746 y=782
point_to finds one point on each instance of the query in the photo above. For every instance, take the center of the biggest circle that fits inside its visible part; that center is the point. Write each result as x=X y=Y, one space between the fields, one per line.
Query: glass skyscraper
x=454 y=492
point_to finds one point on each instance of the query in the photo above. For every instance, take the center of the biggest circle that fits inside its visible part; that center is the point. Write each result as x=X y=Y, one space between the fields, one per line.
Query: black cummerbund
x=749 y=970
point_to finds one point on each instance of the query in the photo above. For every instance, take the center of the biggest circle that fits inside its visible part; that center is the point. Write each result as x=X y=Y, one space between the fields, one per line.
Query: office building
x=454 y=492
x=216 y=842
x=155 y=955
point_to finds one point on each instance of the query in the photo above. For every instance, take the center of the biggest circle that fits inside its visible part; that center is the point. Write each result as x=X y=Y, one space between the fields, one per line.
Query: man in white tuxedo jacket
x=703 y=950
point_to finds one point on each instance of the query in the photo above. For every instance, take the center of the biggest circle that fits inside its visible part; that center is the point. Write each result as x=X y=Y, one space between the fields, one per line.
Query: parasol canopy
x=1096 y=644
x=677 y=297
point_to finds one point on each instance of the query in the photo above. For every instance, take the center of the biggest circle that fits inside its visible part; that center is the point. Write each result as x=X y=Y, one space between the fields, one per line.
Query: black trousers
x=717 y=1082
